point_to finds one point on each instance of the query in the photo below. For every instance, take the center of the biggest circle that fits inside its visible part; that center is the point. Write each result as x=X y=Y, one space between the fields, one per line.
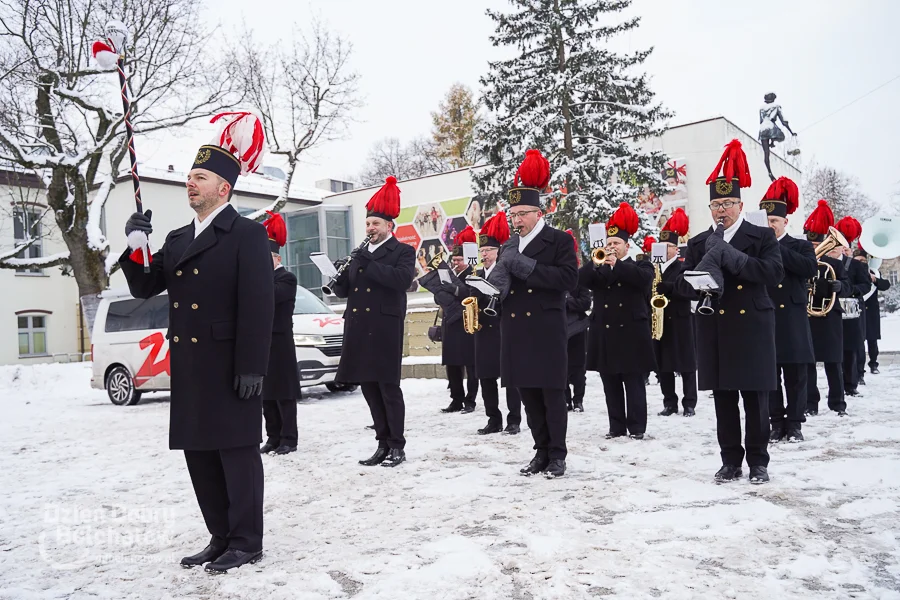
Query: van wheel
x=120 y=388
x=340 y=387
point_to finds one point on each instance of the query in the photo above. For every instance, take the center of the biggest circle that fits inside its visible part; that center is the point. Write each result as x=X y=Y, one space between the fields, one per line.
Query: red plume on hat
x=276 y=228
x=466 y=235
x=624 y=218
x=849 y=228
x=732 y=164
x=784 y=190
x=820 y=219
x=678 y=223
x=647 y=246
x=386 y=201
x=534 y=170
x=497 y=227
x=572 y=233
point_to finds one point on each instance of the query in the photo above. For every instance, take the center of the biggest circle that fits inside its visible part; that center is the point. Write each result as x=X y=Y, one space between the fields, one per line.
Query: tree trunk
x=565 y=219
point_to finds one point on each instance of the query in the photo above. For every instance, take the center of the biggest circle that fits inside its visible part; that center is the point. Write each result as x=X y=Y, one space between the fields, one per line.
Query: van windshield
x=307 y=304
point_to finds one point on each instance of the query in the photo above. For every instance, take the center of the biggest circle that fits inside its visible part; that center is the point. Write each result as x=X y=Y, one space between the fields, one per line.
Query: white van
x=130 y=352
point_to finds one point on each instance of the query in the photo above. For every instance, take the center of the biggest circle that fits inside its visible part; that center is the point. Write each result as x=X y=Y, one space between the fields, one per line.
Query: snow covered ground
x=93 y=505
x=890 y=333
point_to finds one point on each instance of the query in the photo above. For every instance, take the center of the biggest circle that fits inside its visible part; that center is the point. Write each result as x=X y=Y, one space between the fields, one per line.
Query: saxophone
x=658 y=304
x=470 y=314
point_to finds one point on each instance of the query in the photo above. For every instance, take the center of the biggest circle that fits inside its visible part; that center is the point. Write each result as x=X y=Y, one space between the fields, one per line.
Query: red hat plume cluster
x=624 y=218
x=678 y=223
x=497 y=227
x=466 y=235
x=647 y=246
x=276 y=228
x=733 y=163
x=850 y=228
x=785 y=190
x=820 y=219
x=386 y=200
x=534 y=170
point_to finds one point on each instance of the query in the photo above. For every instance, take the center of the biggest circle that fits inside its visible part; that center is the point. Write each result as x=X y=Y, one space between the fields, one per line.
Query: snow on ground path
x=94 y=505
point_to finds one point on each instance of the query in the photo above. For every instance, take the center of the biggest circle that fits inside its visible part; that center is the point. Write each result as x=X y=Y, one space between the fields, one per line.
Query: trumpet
x=598 y=256
x=328 y=288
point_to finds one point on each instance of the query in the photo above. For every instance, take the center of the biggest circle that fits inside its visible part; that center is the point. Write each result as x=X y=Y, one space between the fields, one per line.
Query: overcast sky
x=709 y=60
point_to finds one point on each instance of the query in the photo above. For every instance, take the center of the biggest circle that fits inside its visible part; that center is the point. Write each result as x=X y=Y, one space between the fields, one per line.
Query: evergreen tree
x=583 y=105
x=454 y=127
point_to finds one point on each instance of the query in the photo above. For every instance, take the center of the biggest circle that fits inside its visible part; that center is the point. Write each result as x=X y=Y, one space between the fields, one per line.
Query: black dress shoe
x=689 y=412
x=874 y=370
x=636 y=436
x=668 y=411
x=842 y=413
x=396 y=457
x=812 y=412
x=728 y=473
x=511 y=429
x=556 y=468
x=452 y=408
x=208 y=554
x=285 y=449
x=266 y=448
x=579 y=407
x=776 y=435
x=491 y=428
x=537 y=464
x=794 y=436
x=613 y=434
x=853 y=392
x=375 y=459
x=469 y=408
x=862 y=381
x=569 y=406
x=370 y=427
x=232 y=559
x=759 y=475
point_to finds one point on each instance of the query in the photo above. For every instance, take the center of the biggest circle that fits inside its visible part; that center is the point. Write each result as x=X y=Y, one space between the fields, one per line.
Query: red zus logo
x=151 y=368
x=329 y=321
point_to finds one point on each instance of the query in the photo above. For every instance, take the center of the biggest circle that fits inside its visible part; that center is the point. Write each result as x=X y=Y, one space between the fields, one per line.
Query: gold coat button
x=621 y=324
x=619 y=284
x=178 y=273
x=721 y=311
x=196 y=272
x=743 y=311
x=360 y=270
x=528 y=314
x=512 y=291
x=620 y=305
x=607 y=326
x=175 y=305
x=194 y=306
x=354 y=310
x=194 y=340
x=781 y=306
x=355 y=289
x=606 y=306
x=368 y=289
x=740 y=287
x=529 y=291
x=368 y=309
x=175 y=339
x=513 y=315
x=779 y=286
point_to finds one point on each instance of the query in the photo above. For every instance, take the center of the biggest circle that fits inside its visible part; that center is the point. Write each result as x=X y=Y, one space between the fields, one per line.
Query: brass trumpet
x=598 y=256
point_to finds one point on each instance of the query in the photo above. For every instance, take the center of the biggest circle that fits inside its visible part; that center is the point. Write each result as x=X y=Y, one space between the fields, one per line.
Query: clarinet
x=328 y=288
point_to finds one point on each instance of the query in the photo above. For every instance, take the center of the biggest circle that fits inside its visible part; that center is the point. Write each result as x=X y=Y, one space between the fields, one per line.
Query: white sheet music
x=482 y=285
x=700 y=280
x=323 y=263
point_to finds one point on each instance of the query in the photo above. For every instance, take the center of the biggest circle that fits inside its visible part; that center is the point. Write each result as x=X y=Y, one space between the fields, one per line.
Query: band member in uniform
x=375 y=283
x=860 y=284
x=827 y=331
x=494 y=234
x=541 y=264
x=457 y=346
x=281 y=387
x=736 y=344
x=793 y=339
x=578 y=302
x=873 y=315
x=676 y=351
x=218 y=273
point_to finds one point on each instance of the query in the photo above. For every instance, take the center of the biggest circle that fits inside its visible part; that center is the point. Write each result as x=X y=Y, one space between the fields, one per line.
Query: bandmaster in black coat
x=676 y=352
x=736 y=344
x=619 y=338
x=282 y=381
x=221 y=304
x=533 y=321
x=828 y=331
x=793 y=338
x=375 y=287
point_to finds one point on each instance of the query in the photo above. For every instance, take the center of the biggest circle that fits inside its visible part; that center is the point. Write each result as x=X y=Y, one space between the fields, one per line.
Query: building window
x=337 y=233
x=245 y=211
x=303 y=238
x=27 y=225
x=893 y=276
x=32 y=335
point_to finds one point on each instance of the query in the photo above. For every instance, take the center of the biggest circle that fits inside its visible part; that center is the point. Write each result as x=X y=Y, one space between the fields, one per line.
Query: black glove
x=836 y=287
x=665 y=287
x=362 y=257
x=716 y=239
x=139 y=222
x=248 y=386
x=733 y=260
x=450 y=288
x=340 y=262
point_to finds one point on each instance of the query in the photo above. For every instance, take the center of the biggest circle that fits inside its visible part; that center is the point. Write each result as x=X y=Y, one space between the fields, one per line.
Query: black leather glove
x=665 y=287
x=450 y=288
x=139 y=222
x=248 y=386
x=836 y=287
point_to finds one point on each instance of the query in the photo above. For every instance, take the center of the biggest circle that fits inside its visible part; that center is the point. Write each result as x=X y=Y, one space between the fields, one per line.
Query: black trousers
x=545 y=411
x=460 y=396
x=577 y=379
x=873 y=353
x=281 y=422
x=756 y=423
x=626 y=402
x=790 y=415
x=851 y=375
x=491 y=396
x=861 y=360
x=385 y=402
x=835 y=376
x=229 y=489
x=688 y=389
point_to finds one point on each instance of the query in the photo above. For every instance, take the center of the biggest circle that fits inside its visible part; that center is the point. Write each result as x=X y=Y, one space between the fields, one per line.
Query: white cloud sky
x=711 y=58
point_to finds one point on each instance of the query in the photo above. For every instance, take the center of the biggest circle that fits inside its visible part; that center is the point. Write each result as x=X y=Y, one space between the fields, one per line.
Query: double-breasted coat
x=873 y=309
x=487 y=339
x=578 y=302
x=533 y=319
x=619 y=338
x=860 y=284
x=793 y=337
x=676 y=352
x=221 y=304
x=736 y=344
x=457 y=346
x=282 y=381
x=375 y=285
x=828 y=331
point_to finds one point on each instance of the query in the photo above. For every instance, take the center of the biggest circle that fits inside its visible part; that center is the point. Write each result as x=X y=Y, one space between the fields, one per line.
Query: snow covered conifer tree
x=571 y=96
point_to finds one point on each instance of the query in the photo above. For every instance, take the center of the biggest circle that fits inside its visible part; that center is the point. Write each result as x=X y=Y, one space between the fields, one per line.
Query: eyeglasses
x=720 y=205
x=522 y=213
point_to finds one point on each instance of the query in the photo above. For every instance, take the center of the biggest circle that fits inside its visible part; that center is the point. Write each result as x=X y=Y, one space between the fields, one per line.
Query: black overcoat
x=619 y=338
x=676 y=352
x=736 y=344
x=578 y=303
x=221 y=304
x=375 y=286
x=487 y=339
x=828 y=331
x=457 y=346
x=533 y=320
x=860 y=284
x=282 y=381
x=793 y=337
x=873 y=310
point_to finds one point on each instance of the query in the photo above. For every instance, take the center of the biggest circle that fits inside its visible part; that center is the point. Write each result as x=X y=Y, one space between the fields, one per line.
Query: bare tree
x=305 y=92
x=840 y=189
x=389 y=157
x=61 y=115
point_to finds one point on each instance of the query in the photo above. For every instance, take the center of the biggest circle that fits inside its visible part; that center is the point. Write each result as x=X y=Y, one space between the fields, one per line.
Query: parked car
x=130 y=352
